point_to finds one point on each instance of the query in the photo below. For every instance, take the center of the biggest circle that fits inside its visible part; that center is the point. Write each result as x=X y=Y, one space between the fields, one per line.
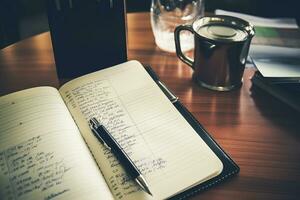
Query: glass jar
x=167 y=14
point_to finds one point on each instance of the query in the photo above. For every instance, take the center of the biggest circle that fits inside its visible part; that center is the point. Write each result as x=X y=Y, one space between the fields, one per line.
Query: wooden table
x=260 y=133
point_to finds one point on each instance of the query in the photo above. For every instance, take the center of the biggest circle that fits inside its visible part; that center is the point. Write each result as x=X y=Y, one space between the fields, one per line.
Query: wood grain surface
x=260 y=133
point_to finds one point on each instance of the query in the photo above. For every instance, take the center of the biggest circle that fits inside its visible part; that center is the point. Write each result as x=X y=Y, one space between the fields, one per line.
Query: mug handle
x=179 y=53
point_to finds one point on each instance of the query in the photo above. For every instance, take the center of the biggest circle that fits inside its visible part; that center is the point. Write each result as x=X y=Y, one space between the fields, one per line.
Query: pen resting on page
x=108 y=141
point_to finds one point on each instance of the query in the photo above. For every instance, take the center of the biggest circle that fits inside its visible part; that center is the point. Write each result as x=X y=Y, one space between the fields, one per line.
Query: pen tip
x=142 y=182
x=148 y=191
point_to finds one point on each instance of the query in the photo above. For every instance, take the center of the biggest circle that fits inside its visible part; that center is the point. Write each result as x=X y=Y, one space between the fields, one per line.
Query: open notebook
x=48 y=151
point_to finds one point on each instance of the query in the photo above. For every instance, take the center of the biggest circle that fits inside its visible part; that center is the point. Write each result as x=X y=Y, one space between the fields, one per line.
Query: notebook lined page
x=42 y=154
x=168 y=152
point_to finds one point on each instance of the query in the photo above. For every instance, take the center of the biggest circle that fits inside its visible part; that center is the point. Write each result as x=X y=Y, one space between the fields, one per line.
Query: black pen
x=108 y=141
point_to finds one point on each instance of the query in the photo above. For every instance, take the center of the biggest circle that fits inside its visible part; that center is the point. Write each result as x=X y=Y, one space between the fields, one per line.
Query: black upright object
x=87 y=35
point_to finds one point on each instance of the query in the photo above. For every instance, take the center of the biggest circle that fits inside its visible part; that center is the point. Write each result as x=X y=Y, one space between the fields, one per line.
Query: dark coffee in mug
x=221 y=50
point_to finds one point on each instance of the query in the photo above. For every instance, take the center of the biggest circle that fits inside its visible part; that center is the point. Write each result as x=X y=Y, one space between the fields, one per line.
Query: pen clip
x=94 y=125
x=97 y=135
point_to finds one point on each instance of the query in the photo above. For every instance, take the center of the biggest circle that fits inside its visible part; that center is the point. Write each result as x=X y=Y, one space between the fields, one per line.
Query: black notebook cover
x=230 y=168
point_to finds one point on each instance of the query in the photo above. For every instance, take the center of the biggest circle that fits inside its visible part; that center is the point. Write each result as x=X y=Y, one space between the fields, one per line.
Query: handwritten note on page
x=158 y=139
x=42 y=155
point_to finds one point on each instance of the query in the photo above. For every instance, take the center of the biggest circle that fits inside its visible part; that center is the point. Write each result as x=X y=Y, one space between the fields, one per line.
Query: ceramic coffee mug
x=221 y=49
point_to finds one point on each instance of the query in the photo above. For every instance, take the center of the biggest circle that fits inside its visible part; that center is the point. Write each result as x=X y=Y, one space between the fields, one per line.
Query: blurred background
x=23 y=18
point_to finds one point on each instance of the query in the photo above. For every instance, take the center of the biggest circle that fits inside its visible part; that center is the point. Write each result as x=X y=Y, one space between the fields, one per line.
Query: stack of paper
x=276 y=62
x=278 y=72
